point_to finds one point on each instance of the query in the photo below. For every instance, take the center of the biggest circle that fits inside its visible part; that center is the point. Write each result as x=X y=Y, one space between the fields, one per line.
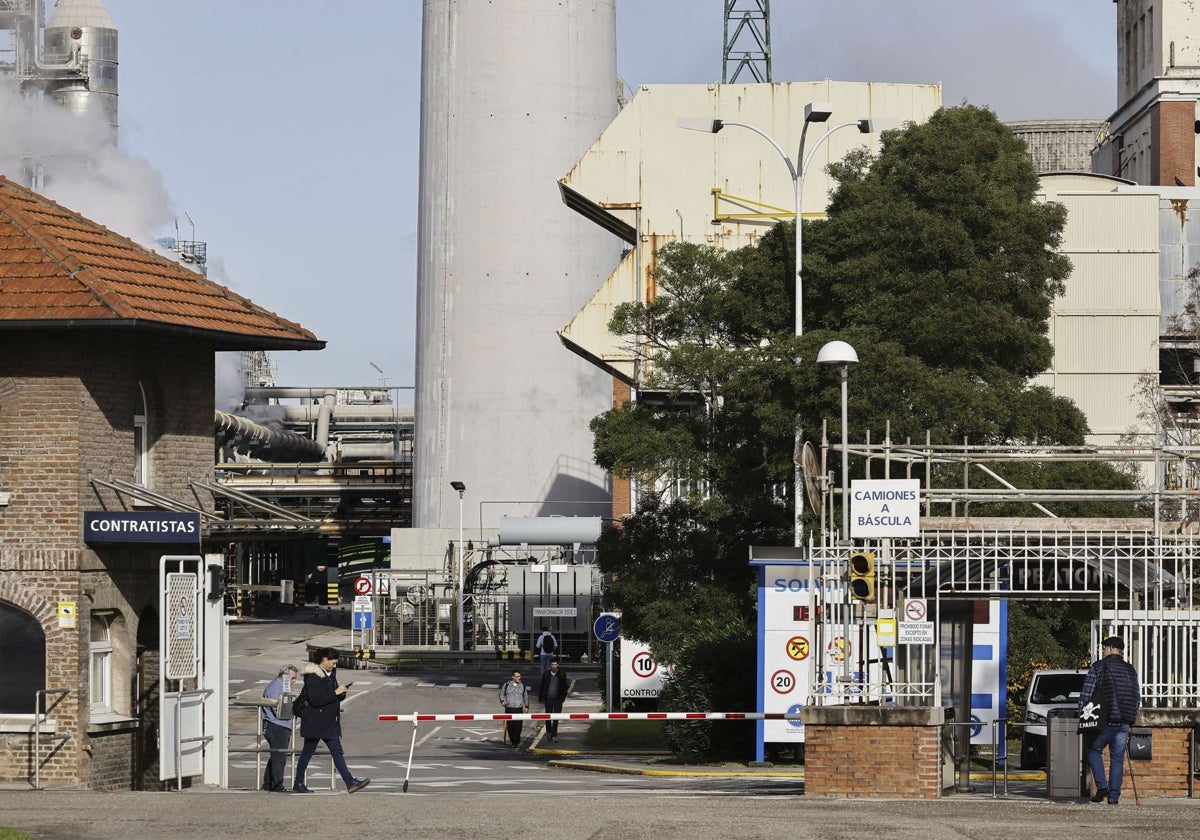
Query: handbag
x=1093 y=715
x=300 y=703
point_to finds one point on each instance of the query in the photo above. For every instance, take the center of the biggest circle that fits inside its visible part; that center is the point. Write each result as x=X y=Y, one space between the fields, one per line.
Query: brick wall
x=1166 y=773
x=872 y=752
x=1174 y=150
x=66 y=414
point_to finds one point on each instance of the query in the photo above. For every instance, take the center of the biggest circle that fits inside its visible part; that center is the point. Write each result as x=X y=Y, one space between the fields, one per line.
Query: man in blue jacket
x=277 y=730
x=1114 y=682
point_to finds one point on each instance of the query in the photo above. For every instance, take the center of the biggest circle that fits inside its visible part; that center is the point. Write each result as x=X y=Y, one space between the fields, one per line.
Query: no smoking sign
x=914 y=610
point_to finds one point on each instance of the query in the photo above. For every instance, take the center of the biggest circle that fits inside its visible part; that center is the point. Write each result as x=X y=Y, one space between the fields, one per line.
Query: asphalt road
x=227 y=814
x=466 y=784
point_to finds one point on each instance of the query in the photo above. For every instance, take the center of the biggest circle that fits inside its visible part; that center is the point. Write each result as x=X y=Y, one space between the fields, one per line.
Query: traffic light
x=862 y=576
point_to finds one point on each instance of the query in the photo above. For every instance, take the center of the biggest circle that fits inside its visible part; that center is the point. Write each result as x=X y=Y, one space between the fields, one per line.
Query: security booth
x=107 y=395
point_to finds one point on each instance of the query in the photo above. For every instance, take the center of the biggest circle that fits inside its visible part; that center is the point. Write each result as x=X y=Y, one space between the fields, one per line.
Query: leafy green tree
x=937 y=262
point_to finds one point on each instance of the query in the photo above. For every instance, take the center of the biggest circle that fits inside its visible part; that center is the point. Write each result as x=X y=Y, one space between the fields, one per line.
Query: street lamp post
x=461 y=488
x=841 y=353
x=814 y=112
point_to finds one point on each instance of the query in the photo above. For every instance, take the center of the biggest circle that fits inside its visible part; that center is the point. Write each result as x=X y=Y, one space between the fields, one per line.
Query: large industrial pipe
x=258 y=441
x=547 y=530
x=309 y=413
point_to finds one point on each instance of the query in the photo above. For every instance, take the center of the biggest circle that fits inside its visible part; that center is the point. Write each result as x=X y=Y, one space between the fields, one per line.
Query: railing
x=41 y=710
x=261 y=745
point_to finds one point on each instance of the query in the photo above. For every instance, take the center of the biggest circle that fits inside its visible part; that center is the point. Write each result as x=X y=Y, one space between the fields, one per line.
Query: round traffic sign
x=362 y=586
x=783 y=681
x=793 y=710
x=797 y=648
x=607 y=627
x=644 y=665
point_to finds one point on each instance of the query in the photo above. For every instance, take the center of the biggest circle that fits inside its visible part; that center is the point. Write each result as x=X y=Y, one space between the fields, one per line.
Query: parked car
x=1051 y=689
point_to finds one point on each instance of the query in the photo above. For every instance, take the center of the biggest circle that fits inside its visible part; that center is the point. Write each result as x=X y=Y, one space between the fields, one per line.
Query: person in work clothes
x=321 y=719
x=552 y=692
x=514 y=697
x=277 y=731
x=1114 y=682
x=547 y=647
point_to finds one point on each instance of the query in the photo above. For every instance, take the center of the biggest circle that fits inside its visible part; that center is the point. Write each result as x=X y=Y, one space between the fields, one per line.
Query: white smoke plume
x=84 y=170
x=82 y=167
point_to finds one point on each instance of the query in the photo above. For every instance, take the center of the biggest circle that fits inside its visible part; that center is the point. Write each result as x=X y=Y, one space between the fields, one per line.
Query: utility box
x=1065 y=777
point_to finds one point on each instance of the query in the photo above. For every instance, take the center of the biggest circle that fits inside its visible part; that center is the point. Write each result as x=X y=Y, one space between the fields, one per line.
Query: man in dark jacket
x=321 y=718
x=552 y=692
x=1114 y=682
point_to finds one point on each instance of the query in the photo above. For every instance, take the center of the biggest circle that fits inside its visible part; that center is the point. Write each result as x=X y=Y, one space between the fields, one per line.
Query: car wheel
x=1032 y=755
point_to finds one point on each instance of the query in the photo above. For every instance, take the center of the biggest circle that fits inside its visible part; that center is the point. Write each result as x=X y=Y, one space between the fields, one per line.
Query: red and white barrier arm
x=415 y=718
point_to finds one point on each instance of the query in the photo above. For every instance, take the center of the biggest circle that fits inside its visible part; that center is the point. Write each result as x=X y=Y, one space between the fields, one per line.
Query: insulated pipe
x=323 y=419
x=250 y=438
x=71 y=64
x=352 y=413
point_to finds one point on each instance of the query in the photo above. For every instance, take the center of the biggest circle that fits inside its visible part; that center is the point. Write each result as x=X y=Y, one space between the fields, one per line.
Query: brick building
x=107 y=374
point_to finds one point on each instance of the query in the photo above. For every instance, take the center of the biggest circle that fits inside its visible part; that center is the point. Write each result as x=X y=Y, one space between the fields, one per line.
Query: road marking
x=430 y=735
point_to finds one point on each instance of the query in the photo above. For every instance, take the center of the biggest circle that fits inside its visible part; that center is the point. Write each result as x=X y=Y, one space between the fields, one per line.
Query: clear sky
x=287 y=129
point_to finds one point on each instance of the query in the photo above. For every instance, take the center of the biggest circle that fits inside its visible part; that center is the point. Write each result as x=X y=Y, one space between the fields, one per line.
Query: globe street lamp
x=461 y=488
x=814 y=112
x=841 y=353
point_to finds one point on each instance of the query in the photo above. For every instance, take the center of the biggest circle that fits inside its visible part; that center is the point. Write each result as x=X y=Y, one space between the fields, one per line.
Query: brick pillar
x=1166 y=773
x=1173 y=161
x=873 y=752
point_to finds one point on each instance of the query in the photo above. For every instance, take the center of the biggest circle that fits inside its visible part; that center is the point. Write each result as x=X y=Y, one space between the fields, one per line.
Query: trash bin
x=1065 y=777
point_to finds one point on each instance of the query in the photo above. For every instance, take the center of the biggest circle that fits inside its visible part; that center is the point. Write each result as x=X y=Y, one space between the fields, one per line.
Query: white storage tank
x=512 y=93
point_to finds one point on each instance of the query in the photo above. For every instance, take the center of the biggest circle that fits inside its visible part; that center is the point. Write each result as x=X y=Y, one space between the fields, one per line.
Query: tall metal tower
x=747 y=40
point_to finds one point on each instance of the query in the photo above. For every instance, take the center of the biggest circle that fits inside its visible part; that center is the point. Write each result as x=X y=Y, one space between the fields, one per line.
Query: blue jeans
x=335 y=750
x=1115 y=736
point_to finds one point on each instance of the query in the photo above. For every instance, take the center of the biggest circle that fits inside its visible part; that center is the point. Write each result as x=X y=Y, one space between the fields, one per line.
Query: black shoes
x=300 y=789
x=358 y=785
x=1101 y=795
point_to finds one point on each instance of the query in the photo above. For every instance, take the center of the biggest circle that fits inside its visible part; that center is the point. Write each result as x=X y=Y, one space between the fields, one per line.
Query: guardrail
x=260 y=742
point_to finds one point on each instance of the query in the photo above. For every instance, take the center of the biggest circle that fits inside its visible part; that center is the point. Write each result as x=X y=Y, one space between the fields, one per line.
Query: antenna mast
x=747 y=40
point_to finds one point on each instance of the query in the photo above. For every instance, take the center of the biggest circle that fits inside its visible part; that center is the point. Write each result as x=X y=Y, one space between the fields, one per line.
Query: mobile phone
x=349 y=684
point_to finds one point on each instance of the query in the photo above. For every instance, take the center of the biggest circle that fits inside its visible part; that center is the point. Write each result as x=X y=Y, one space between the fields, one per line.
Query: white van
x=1047 y=690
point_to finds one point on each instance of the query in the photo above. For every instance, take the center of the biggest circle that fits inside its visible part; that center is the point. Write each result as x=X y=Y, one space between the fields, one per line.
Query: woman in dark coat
x=320 y=719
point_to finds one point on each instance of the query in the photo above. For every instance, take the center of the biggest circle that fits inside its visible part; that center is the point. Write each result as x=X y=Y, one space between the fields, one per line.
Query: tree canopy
x=937 y=262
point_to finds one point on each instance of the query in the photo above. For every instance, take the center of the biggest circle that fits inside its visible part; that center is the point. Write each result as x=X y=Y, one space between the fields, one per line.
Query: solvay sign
x=885 y=508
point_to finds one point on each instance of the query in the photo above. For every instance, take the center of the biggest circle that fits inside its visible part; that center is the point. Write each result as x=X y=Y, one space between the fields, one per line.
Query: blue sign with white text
x=141 y=527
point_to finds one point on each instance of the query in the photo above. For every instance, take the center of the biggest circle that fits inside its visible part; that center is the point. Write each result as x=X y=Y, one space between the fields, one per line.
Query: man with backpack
x=547 y=647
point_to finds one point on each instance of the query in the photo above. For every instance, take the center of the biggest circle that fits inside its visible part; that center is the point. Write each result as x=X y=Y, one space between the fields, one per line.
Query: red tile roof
x=59 y=269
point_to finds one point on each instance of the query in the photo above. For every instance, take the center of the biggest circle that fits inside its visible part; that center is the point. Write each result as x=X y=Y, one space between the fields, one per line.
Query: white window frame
x=101 y=658
x=141 y=440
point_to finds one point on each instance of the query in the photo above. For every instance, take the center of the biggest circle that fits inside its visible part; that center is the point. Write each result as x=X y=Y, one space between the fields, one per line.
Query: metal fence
x=1143 y=585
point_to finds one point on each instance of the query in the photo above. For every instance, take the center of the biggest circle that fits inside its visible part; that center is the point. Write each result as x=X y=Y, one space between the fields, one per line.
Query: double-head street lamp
x=460 y=559
x=814 y=112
